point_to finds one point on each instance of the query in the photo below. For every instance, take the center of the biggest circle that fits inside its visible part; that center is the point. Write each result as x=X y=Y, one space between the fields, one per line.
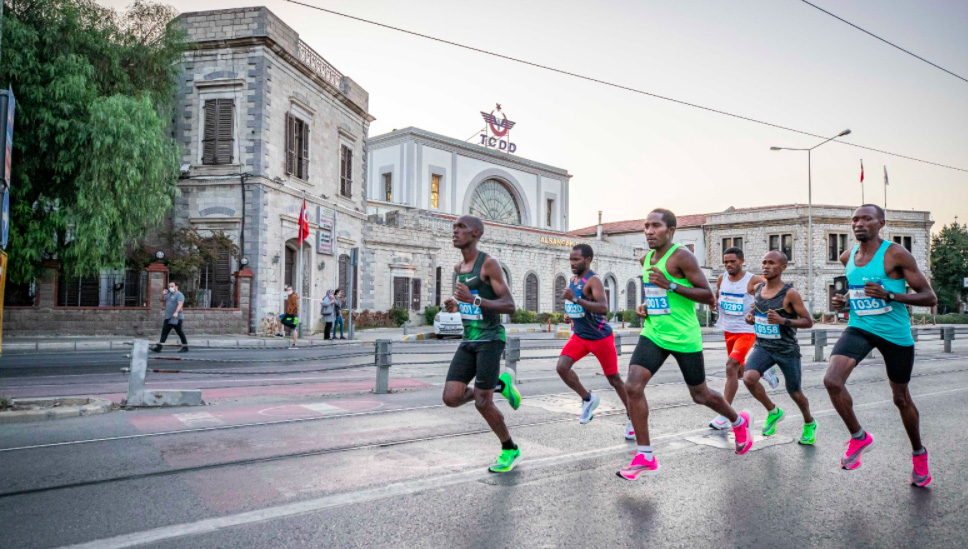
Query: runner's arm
x=492 y=274
x=719 y=282
x=923 y=295
x=596 y=291
x=700 y=292
x=754 y=282
x=795 y=302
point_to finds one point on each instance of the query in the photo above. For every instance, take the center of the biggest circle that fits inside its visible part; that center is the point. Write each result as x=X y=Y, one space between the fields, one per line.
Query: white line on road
x=207 y=526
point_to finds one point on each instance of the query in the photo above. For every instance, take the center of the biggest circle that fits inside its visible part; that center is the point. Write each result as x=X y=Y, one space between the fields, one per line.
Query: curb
x=94 y=406
x=430 y=335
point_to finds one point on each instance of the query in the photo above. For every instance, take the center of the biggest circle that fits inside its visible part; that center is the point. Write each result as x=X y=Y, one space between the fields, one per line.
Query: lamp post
x=810 y=213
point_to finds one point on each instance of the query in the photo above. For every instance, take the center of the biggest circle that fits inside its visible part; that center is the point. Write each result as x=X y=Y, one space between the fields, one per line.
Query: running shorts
x=603 y=349
x=650 y=356
x=739 y=345
x=477 y=359
x=761 y=360
x=857 y=344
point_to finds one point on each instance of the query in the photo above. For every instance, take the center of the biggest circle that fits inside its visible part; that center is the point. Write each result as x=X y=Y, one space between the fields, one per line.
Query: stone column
x=47 y=284
x=243 y=297
x=157 y=280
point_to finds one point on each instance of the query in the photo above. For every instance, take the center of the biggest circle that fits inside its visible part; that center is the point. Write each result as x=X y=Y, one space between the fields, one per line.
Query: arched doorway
x=610 y=287
x=631 y=291
x=560 y=283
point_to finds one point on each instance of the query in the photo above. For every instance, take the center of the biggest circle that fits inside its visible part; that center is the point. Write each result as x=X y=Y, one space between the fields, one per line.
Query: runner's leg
x=569 y=376
x=484 y=402
x=637 y=406
x=734 y=372
x=835 y=381
x=463 y=368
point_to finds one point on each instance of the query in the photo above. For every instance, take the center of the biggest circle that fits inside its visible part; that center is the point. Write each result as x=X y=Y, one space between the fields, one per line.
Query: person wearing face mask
x=328 y=312
x=174 y=302
x=291 y=321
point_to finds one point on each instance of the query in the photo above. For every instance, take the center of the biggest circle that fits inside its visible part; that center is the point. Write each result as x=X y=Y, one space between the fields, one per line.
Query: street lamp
x=160 y=255
x=810 y=214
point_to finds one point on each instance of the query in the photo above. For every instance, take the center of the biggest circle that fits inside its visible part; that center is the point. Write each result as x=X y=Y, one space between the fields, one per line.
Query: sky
x=780 y=61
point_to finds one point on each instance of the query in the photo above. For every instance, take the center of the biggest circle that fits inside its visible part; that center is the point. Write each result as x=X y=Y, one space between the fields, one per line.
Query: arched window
x=560 y=284
x=610 y=293
x=630 y=298
x=531 y=292
x=493 y=200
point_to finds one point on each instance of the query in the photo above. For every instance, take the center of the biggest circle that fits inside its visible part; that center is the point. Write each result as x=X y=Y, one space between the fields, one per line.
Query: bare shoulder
x=492 y=267
x=845 y=256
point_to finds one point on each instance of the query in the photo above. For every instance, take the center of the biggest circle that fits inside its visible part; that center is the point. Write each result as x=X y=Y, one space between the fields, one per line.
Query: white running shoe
x=770 y=377
x=629 y=430
x=720 y=423
x=587 y=409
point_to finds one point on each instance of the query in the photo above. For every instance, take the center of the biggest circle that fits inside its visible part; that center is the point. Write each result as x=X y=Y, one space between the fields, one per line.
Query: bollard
x=405 y=326
x=383 y=360
x=914 y=334
x=512 y=354
x=948 y=333
x=820 y=341
x=618 y=344
x=139 y=369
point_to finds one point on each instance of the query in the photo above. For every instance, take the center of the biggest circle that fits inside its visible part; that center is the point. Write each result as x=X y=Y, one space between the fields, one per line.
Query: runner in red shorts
x=586 y=307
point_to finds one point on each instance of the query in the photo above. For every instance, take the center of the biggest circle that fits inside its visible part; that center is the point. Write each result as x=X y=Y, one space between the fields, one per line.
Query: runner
x=481 y=295
x=777 y=312
x=673 y=283
x=734 y=290
x=877 y=271
x=585 y=305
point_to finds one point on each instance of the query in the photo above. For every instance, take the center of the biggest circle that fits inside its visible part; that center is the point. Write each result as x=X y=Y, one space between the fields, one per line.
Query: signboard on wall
x=326 y=236
x=497 y=131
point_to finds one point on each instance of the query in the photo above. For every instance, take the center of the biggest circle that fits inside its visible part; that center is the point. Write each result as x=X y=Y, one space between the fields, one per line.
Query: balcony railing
x=319 y=65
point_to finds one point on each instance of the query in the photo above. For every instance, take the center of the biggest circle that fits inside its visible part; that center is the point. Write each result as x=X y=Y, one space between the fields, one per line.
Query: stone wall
x=46 y=319
x=413 y=244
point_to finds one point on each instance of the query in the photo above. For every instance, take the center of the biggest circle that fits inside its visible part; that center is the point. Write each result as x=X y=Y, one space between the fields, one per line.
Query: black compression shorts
x=477 y=359
x=857 y=344
x=651 y=357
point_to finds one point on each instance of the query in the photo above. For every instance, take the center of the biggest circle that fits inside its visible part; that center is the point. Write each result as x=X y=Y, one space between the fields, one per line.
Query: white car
x=448 y=324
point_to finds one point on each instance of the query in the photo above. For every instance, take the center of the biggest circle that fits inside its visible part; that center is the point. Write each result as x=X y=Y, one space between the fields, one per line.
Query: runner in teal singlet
x=481 y=295
x=878 y=273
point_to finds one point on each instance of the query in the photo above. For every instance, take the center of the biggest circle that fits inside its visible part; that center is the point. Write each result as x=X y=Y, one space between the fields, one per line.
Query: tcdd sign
x=497 y=131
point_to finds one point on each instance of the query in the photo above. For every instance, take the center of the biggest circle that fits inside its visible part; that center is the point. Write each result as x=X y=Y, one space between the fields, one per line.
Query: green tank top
x=479 y=325
x=672 y=323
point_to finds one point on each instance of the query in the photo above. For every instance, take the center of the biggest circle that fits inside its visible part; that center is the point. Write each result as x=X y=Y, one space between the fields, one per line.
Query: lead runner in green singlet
x=673 y=283
x=480 y=296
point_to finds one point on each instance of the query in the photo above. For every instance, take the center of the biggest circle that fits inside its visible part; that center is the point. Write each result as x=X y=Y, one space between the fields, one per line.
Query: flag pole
x=885 y=187
x=862 y=201
x=299 y=263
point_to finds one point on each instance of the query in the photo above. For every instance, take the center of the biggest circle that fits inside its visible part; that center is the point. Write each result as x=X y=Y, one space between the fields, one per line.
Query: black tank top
x=774 y=337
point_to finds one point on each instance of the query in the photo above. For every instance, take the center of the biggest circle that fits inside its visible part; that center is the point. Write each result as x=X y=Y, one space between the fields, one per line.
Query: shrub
x=632 y=319
x=557 y=318
x=399 y=316
x=543 y=318
x=430 y=311
x=522 y=316
x=950 y=318
x=366 y=319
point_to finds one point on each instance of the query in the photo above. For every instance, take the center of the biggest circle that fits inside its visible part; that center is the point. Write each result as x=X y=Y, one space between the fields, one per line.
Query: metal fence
x=127 y=288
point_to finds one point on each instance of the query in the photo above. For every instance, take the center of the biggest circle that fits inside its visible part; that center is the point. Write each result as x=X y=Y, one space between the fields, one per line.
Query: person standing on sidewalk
x=291 y=319
x=329 y=313
x=338 y=309
x=174 y=302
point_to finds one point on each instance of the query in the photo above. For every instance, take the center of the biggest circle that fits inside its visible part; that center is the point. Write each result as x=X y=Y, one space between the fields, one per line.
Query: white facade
x=414 y=161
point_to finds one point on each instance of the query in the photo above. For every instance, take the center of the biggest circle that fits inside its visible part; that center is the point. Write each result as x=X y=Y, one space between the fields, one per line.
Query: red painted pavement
x=303 y=389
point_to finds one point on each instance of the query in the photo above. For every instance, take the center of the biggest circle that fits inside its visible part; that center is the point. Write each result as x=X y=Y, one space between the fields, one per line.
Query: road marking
x=198 y=419
x=323 y=408
x=208 y=526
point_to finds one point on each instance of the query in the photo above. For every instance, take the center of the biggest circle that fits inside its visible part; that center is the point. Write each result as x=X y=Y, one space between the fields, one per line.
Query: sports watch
x=673 y=286
x=890 y=297
x=477 y=300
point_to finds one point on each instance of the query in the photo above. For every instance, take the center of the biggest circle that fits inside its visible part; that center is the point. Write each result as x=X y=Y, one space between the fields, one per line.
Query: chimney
x=599 y=232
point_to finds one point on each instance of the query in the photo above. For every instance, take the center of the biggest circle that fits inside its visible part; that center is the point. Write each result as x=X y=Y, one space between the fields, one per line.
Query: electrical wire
x=615 y=85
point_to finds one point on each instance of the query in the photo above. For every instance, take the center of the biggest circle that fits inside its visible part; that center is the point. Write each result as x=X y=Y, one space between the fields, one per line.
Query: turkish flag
x=303 y=223
x=861 y=171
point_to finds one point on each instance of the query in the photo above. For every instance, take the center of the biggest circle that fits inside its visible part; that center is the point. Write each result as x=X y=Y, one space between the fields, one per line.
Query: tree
x=94 y=164
x=949 y=266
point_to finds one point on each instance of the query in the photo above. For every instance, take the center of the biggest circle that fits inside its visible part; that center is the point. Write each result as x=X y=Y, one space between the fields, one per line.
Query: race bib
x=469 y=311
x=731 y=304
x=574 y=310
x=861 y=305
x=656 y=300
x=765 y=330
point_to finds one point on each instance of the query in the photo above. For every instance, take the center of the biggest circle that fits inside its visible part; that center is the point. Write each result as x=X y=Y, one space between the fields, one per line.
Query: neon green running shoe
x=809 y=435
x=506 y=461
x=771 y=420
x=510 y=392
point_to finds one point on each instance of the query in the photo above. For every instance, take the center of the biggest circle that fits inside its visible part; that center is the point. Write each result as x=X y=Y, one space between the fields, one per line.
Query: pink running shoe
x=639 y=466
x=855 y=448
x=920 y=475
x=742 y=433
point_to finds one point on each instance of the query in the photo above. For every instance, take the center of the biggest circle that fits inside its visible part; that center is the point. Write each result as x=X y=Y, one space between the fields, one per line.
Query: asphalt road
x=401 y=470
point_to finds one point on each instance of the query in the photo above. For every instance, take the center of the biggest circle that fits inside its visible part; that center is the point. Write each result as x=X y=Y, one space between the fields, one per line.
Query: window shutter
x=415 y=294
x=304 y=172
x=209 y=133
x=399 y=292
x=290 y=144
x=224 y=140
x=222 y=293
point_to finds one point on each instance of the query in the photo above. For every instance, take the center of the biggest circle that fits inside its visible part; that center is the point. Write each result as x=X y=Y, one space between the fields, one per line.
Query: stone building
x=419 y=182
x=784 y=227
x=266 y=123
x=631 y=232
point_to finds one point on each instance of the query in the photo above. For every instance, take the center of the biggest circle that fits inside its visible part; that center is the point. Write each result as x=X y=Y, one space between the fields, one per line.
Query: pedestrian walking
x=329 y=313
x=338 y=306
x=290 y=320
x=174 y=303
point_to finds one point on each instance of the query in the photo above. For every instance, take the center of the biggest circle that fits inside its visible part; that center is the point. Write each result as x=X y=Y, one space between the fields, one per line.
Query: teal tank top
x=887 y=320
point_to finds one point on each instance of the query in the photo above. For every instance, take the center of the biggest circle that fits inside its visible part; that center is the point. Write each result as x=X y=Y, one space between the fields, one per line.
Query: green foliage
x=399 y=316
x=949 y=265
x=951 y=318
x=430 y=311
x=705 y=316
x=93 y=167
x=632 y=319
x=189 y=251
x=522 y=316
